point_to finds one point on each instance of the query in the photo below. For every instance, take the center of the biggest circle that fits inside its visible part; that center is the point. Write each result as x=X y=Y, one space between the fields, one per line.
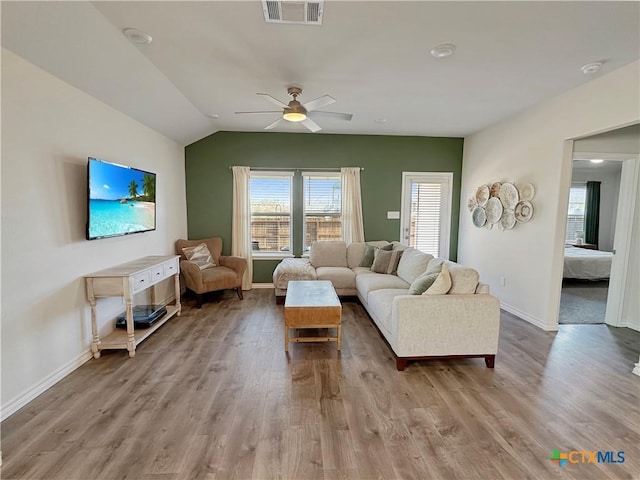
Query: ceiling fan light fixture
x=294 y=116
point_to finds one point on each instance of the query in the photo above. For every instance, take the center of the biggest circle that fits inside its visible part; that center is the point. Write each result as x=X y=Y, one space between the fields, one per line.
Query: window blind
x=271 y=211
x=322 y=207
x=424 y=233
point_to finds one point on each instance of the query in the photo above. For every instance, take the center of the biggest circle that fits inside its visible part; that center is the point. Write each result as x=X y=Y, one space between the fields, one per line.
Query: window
x=575 y=215
x=322 y=207
x=426 y=212
x=271 y=212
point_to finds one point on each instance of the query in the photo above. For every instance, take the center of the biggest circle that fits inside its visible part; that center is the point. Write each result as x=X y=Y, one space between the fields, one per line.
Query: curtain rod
x=297 y=169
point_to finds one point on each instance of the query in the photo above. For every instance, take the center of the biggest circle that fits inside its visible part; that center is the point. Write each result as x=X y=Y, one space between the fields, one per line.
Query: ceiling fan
x=295 y=111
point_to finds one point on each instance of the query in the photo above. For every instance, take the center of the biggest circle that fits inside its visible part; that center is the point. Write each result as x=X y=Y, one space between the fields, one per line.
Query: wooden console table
x=125 y=281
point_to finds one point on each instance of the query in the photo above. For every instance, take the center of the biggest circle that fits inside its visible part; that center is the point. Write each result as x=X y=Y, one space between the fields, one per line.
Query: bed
x=584 y=264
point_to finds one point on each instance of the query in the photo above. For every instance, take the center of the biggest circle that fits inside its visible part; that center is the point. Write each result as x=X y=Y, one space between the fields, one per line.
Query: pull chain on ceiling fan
x=296 y=112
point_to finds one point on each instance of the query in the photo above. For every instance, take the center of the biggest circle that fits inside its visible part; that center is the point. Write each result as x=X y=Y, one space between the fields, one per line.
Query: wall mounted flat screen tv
x=121 y=200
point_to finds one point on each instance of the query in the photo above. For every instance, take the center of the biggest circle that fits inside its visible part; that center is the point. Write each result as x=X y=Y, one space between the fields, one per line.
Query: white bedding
x=586 y=264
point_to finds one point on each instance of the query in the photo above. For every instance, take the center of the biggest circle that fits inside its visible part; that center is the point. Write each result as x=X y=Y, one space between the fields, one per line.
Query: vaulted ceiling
x=211 y=58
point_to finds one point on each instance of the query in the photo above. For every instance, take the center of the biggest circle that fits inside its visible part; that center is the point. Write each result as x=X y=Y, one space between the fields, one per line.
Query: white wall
x=533 y=147
x=49 y=128
x=609 y=189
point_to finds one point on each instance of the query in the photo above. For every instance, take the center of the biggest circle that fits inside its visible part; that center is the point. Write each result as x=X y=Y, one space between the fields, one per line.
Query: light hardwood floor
x=212 y=394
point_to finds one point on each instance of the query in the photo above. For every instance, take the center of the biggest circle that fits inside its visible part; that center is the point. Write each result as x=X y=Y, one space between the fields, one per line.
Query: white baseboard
x=529 y=318
x=262 y=285
x=636 y=370
x=21 y=400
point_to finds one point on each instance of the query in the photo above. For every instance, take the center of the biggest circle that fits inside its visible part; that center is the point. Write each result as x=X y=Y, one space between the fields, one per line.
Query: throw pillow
x=442 y=284
x=370 y=253
x=422 y=283
x=200 y=255
x=386 y=261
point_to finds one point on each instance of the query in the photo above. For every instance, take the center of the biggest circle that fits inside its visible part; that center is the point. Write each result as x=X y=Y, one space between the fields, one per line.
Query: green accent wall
x=209 y=182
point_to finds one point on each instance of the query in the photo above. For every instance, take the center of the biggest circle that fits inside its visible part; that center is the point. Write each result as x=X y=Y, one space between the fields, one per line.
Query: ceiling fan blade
x=273 y=100
x=337 y=115
x=274 y=124
x=311 y=125
x=319 y=102
x=260 y=113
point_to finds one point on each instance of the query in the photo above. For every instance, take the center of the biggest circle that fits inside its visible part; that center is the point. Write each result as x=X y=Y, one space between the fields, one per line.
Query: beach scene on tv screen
x=121 y=200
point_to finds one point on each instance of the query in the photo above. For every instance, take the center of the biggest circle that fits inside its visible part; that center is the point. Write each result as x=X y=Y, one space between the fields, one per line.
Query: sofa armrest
x=192 y=275
x=441 y=325
x=237 y=264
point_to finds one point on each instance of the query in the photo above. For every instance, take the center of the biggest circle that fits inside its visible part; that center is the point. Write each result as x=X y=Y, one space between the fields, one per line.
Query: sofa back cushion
x=326 y=253
x=355 y=253
x=412 y=264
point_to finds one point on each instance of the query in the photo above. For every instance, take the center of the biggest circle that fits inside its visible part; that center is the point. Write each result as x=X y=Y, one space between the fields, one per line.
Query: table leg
x=176 y=283
x=131 y=340
x=95 y=344
x=286 y=338
x=339 y=337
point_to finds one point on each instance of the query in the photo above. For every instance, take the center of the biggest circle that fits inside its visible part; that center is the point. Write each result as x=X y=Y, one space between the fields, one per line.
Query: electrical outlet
x=503 y=281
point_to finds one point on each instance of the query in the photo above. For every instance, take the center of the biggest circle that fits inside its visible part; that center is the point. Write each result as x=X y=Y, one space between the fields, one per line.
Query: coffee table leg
x=286 y=338
x=339 y=336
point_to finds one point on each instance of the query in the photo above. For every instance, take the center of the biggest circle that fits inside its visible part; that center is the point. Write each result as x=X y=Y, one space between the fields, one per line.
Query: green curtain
x=592 y=213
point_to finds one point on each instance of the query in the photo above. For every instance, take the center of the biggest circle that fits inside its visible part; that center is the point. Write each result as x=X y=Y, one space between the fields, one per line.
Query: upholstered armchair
x=226 y=273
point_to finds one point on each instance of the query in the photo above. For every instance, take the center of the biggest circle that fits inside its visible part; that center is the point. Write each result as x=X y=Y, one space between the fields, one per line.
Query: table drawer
x=171 y=267
x=157 y=274
x=141 y=280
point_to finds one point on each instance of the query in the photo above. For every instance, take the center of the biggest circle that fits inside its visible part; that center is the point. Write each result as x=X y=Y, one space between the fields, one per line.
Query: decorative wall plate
x=508 y=219
x=493 y=210
x=494 y=191
x=527 y=192
x=488 y=226
x=479 y=217
x=472 y=204
x=523 y=211
x=482 y=195
x=509 y=195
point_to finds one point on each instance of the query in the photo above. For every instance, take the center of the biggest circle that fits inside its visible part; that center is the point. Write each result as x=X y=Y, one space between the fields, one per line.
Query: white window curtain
x=241 y=221
x=352 y=223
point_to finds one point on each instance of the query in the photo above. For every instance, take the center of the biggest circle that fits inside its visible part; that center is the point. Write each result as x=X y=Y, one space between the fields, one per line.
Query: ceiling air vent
x=292 y=11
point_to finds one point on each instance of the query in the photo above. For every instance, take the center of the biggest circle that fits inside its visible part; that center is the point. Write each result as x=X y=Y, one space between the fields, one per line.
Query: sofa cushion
x=464 y=280
x=341 y=277
x=379 y=306
x=386 y=261
x=422 y=283
x=412 y=264
x=434 y=262
x=361 y=270
x=328 y=253
x=200 y=255
x=378 y=281
x=442 y=284
x=395 y=245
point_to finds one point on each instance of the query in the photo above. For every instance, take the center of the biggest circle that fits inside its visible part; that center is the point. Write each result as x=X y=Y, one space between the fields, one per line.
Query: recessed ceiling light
x=137 y=36
x=212 y=115
x=596 y=160
x=444 y=50
x=591 y=68
x=380 y=120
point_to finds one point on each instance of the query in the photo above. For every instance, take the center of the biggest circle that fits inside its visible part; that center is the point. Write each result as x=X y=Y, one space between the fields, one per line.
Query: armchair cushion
x=200 y=255
x=214 y=245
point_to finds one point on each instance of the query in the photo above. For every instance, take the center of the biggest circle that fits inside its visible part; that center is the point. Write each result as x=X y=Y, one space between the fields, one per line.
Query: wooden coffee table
x=312 y=304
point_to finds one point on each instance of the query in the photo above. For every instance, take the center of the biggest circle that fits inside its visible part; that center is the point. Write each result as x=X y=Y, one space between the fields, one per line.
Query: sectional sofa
x=464 y=322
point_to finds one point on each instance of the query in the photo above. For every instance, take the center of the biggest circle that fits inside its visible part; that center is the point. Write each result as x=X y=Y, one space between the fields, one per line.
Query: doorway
x=625 y=145
x=587 y=261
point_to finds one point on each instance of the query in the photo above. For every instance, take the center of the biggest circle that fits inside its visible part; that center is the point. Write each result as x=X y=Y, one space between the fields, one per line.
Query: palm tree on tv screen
x=133 y=189
x=149 y=187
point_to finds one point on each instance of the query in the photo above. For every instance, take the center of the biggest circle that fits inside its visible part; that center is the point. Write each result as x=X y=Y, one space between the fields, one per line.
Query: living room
x=50 y=126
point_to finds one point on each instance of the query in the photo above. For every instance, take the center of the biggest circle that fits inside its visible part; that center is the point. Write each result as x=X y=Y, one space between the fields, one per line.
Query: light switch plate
x=393 y=215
